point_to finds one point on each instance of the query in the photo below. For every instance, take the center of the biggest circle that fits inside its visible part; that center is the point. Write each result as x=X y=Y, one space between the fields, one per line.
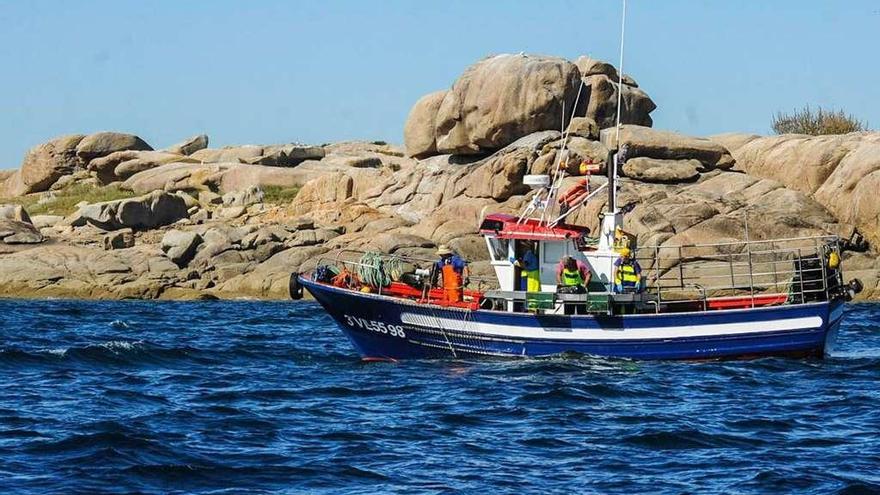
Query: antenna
x=620 y=73
x=612 y=175
x=543 y=199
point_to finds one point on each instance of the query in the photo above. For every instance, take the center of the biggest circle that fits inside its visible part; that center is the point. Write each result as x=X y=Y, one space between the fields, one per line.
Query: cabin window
x=489 y=224
x=498 y=248
x=553 y=252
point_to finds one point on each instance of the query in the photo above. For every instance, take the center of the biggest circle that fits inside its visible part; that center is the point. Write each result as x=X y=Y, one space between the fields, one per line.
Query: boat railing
x=699 y=276
x=760 y=270
x=394 y=266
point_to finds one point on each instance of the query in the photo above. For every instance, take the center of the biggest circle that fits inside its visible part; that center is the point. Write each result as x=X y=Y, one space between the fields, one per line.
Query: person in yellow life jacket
x=572 y=273
x=454 y=273
x=627 y=273
x=528 y=263
x=572 y=277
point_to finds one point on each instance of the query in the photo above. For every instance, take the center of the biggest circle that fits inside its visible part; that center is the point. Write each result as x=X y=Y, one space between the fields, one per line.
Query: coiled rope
x=378 y=270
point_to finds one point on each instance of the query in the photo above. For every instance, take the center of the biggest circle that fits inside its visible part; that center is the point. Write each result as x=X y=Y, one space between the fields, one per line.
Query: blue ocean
x=257 y=397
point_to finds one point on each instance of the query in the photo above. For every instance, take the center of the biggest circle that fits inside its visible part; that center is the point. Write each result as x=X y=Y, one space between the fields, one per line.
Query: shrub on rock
x=816 y=122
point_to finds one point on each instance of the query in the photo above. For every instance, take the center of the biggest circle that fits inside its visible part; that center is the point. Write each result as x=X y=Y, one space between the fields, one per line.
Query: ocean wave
x=112 y=352
x=249 y=397
x=688 y=438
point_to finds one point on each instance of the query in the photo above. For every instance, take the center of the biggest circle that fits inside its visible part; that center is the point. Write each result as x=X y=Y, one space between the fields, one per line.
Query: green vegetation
x=65 y=200
x=279 y=195
x=816 y=123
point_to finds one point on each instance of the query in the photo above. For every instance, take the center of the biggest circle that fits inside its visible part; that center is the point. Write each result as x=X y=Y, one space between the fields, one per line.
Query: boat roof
x=504 y=226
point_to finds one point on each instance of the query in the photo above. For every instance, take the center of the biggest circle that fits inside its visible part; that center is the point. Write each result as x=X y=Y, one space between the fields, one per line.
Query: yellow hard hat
x=624 y=251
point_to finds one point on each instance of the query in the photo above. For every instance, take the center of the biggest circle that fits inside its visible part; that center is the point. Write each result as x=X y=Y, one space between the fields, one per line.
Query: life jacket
x=572 y=277
x=626 y=275
x=576 y=193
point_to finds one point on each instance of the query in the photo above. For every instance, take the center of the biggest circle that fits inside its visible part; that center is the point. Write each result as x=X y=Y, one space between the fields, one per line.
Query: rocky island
x=106 y=215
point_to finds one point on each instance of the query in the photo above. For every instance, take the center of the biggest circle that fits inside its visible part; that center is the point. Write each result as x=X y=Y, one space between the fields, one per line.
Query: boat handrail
x=482 y=283
x=801 y=272
x=676 y=274
x=749 y=242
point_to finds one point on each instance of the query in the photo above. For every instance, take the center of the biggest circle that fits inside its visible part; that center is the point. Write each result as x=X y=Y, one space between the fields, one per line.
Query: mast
x=613 y=218
x=613 y=154
x=543 y=200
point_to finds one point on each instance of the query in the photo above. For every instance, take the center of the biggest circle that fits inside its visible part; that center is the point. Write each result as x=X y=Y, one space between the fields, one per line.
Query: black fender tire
x=294 y=287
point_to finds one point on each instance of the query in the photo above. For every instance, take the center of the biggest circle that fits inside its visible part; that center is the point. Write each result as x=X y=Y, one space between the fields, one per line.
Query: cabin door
x=519 y=250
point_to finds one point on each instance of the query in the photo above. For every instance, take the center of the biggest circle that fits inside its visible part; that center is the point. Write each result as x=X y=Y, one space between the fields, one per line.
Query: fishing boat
x=745 y=298
x=727 y=300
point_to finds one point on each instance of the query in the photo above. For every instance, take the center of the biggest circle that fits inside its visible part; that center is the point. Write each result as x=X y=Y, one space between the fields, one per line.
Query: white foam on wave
x=117 y=346
x=863 y=354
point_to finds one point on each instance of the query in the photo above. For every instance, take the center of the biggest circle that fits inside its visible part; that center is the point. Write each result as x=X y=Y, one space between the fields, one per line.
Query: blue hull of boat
x=381 y=327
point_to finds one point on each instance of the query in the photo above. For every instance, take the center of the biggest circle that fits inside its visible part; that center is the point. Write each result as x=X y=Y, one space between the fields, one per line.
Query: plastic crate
x=540 y=300
x=598 y=303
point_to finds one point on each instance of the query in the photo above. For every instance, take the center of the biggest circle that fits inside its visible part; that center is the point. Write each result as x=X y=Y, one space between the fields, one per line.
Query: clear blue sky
x=320 y=71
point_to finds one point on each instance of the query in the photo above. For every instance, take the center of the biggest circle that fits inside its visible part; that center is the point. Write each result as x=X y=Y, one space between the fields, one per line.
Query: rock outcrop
x=287 y=155
x=654 y=170
x=840 y=172
x=495 y=102
x=180 y=246
x=121 y=165
x=189 y=146
x=505 y=97
x=15 y=212
x=19 y=232
x=636 y=105
x=145 y=212
x=43 y=165
x=104 y=143
x=209 y=222
x=420 y=131
x=646 y=142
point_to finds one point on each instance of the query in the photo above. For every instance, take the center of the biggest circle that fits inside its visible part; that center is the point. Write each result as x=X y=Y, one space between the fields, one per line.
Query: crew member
x=528 y=263
x=627 y=273
x=454 y=272
x=572 y=273
x=572 y=276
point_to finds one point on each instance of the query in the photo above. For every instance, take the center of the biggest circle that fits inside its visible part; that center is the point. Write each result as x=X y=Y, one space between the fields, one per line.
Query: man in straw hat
x=454 y=271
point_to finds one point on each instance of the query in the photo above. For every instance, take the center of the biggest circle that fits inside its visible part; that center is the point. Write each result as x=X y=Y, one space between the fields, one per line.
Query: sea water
x=254 y=397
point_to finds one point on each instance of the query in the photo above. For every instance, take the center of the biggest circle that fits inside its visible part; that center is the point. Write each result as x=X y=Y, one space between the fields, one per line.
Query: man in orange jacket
x=454 y=272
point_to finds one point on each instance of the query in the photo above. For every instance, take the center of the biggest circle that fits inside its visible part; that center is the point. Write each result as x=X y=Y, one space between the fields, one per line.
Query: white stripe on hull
x=683 y=331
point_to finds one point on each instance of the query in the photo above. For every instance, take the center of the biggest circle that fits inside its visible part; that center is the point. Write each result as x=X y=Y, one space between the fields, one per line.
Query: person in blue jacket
x=528 y=263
